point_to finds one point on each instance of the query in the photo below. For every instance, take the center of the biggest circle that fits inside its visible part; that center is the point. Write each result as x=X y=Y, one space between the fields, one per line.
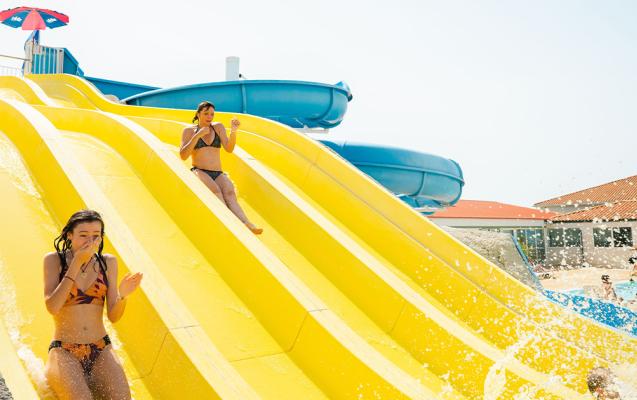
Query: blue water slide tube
x=297 y=104
x=120 y=90
x=425 y=181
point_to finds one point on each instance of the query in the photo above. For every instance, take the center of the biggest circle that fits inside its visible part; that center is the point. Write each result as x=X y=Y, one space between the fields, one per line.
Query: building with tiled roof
x=620 y=190
x=618 y=211
x=524 y=223
x=470 y=213
x=595 y=226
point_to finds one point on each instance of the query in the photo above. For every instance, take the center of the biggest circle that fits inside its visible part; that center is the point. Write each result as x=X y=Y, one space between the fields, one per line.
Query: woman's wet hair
x=598 y=378
x=203 y=106
x=62 y=243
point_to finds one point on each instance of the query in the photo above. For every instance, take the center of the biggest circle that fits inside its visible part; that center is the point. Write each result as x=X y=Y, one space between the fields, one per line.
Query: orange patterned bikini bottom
x=85 y=353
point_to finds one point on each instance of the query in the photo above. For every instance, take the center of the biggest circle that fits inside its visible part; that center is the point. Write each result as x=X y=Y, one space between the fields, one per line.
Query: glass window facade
x=613 y=237
x=572 y=237
x=622 y=237
x=561 y=237
x=602 y=237
x=556 y=237
x=532 y=242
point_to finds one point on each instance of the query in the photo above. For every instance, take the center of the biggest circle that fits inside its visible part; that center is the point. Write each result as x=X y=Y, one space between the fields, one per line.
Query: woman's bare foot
x=253 y=228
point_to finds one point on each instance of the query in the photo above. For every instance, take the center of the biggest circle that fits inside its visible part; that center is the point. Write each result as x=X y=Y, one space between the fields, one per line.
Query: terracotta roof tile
x=491 y=210
x=619 y=190
x=618 y=211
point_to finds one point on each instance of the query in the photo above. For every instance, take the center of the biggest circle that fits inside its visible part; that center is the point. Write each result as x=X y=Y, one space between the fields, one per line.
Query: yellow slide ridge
x=348 y=293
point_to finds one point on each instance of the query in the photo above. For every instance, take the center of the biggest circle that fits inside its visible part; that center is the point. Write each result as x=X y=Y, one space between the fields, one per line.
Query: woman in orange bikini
x=78 y=281
x=203 y=142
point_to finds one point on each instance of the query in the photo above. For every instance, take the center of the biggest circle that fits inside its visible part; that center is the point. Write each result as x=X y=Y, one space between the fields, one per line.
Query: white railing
x=10 y=65
x=42 y=59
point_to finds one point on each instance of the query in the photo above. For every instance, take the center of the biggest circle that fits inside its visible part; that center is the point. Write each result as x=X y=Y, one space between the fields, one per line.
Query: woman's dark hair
x=598 y=378
x=62 y=243
x=203 y=106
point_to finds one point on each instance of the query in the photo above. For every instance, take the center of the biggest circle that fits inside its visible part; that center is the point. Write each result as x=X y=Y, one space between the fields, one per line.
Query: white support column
x=232 y=68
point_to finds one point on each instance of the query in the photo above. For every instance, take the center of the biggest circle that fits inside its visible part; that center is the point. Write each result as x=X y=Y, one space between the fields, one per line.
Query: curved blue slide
x=118 y=89
x=298 y=104
x=425 y=181
x=295 y=103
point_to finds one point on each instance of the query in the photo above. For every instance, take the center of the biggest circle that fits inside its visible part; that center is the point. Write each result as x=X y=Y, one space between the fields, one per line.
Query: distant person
x=608 y=291
x=203 y=143
x=633 y=265
x=78 y=282
x=633 y=302
x=600 y=382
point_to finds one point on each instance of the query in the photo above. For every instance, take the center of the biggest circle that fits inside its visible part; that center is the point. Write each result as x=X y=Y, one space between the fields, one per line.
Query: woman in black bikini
x=203 y=142
x=78 y=281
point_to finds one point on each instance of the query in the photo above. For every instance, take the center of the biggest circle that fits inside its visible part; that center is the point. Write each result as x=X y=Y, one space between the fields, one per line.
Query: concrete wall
x=615 y=257
x=498 y=248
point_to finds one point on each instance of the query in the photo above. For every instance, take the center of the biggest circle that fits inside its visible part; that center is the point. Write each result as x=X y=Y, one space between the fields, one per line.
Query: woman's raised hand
x=84 y=253
x=200 y=132
x=129 y=283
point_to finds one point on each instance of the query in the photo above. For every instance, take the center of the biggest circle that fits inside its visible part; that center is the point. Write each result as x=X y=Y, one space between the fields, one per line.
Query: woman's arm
x=56 y=292
x=115 y=304
x=227 y=141
x=189 y=140
x=116 y=295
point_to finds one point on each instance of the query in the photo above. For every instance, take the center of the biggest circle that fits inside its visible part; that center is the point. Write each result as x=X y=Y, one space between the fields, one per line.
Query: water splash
x=14 y=321
x=625 y=381
x=495 y=381
x=12 y=164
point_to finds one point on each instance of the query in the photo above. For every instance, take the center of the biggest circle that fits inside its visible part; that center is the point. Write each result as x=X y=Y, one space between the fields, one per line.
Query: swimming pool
x=627 y=290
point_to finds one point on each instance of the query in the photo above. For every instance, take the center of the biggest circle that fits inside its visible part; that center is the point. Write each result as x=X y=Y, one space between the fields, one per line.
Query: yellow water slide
x=347 y=294
x=244 y=326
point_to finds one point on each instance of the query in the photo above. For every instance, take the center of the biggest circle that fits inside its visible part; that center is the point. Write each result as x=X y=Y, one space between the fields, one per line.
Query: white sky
x=533 y=99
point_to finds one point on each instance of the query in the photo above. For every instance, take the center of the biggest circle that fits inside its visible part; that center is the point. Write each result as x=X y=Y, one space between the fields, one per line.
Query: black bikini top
x=216 y=142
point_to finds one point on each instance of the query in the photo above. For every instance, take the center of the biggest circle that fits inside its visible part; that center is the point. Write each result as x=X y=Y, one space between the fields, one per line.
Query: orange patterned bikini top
x=95 y=293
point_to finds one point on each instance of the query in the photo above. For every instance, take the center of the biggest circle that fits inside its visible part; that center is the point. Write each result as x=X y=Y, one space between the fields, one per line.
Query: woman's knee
x=113 y=390
x=228 y=190
x=229 y=194
x=216 y=190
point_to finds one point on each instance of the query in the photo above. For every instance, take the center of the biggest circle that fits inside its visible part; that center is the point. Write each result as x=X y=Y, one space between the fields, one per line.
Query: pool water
x=627 y=290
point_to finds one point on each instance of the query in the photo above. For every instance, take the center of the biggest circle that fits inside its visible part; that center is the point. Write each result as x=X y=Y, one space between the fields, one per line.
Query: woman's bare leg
x=230 y=196
x=207 y=180
x=107 y=376
x=66 y=376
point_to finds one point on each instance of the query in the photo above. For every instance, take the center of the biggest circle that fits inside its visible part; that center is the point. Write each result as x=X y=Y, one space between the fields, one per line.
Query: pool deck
x=578 y=278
